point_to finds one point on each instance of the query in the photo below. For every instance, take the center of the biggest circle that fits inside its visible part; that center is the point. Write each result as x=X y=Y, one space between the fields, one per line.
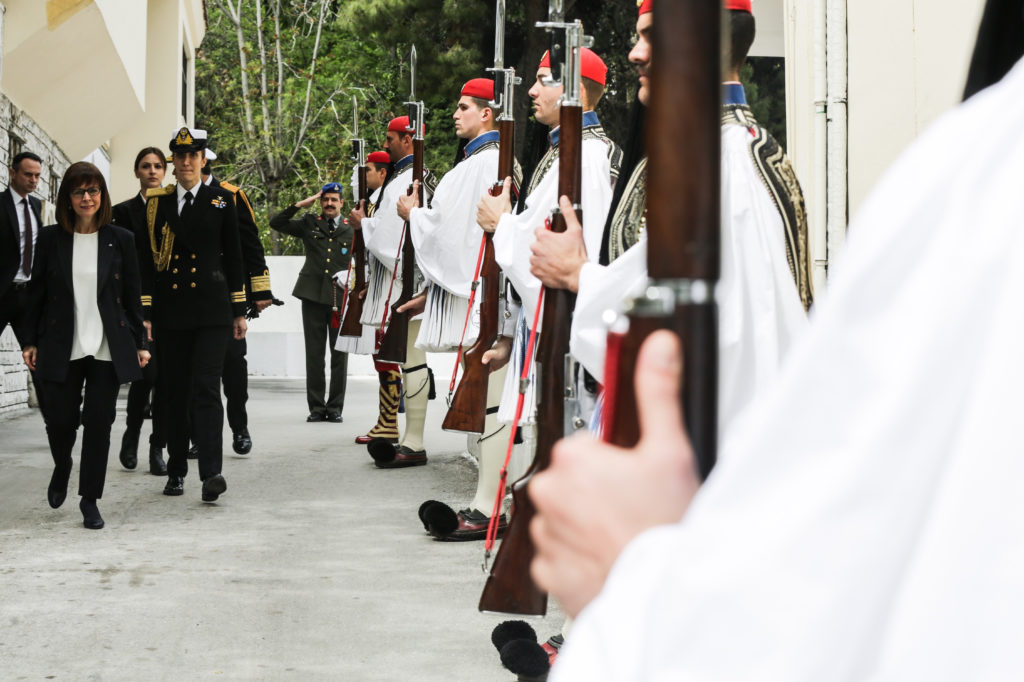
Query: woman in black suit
x=84 y=329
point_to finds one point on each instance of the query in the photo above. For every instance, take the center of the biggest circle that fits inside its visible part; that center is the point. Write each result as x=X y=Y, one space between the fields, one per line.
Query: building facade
x=95 y=80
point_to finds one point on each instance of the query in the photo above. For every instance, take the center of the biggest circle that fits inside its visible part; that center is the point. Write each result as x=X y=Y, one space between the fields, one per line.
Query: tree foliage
x=275 y=79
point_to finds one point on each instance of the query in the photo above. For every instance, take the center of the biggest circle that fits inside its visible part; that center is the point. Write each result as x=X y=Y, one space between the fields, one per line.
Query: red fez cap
x=741 y=5
x=481 y=88
x=645 y=6
x=591 y=66
x=399 y=125
x=378 y=157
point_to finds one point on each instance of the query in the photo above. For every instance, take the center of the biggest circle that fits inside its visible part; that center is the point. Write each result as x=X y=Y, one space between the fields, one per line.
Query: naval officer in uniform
x=193 y=295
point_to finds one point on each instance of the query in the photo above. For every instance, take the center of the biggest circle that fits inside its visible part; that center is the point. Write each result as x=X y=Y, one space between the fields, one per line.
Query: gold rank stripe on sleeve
x=147 y=301
x=238 y=296
x=261 y=282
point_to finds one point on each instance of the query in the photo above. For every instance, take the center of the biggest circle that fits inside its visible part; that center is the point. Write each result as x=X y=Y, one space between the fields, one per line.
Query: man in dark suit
x=328 y=242
x=20 y=223
x=193 y=293
x=259 y=296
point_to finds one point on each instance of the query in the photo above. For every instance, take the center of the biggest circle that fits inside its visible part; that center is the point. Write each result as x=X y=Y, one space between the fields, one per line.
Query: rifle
x=468 y=409
x=393 y=345
x=509 y=587
x=351 y=326
x=683 y=228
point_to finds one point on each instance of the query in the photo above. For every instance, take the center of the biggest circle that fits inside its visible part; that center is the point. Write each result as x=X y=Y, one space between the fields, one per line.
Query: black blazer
x=326 y=252
x=131 y=215
x=10 y=236
x=204 y=282
x=50 y=323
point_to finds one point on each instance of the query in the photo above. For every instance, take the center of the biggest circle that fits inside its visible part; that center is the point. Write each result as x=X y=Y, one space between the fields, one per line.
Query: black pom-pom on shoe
x=423 y=512
x=440 y=520
x=510 y=630
x=526 y=659
x=381 y=449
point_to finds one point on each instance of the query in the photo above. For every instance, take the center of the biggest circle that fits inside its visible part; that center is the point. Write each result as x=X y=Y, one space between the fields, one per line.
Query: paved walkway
x=312 y=566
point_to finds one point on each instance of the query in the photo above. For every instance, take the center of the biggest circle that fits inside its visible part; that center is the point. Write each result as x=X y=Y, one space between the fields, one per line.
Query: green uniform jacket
x=326 y=253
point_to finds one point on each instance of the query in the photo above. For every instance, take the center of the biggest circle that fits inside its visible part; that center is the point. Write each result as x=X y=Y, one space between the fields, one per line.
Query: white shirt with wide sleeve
x=864 y=522
x=759 y=310
x=382 y=232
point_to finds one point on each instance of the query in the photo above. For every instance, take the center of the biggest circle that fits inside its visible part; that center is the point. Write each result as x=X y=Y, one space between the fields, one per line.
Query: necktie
x=188 y=201
x=26 y=258
x=330 y=225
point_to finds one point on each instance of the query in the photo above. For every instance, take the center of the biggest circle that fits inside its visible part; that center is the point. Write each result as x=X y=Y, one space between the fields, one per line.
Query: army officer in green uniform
x=328 y=243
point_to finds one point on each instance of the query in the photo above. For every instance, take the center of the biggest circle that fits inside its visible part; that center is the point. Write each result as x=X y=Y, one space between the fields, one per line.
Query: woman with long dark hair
x=84 y=330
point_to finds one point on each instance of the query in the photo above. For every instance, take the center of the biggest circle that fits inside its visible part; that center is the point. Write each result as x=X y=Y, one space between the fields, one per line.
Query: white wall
x=275 y=343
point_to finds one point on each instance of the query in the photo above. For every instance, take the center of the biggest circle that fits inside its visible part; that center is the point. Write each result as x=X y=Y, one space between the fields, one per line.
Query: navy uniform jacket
x=192 y=272
x=326 y=253
x=258 y=282
x=50 y=323
x=131 y=215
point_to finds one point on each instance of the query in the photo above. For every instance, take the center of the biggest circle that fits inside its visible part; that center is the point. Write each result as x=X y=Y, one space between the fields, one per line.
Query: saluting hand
x=491 y=208
x=558 y=257
x=595 y=498
x=308 y=201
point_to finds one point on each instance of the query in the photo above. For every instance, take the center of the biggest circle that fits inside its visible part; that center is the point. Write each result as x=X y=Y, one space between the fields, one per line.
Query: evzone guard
x=389 y=375
x=383 y=234
x=514 y=232
x=764 y=249
x=448 y=241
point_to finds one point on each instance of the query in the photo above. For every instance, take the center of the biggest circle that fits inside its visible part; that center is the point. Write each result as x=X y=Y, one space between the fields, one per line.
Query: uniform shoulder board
x=229 y=187
x=160 y=191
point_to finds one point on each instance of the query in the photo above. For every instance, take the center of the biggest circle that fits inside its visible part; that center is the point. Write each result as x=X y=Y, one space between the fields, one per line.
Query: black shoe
x=334 y=417
x=157 y=467
x=175 y=485
x=213 y=487
x=193 y=452
x=57 y=491
x=90 y=514
x=129 y=455
x=316 y=417
x=242 y=442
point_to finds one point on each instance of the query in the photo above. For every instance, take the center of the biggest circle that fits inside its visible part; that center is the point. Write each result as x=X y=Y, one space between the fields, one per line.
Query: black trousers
x=317 y=330
x=192 y=361
x=138 y=395
x=64 y=410
x=13 y=306
x=236 y=383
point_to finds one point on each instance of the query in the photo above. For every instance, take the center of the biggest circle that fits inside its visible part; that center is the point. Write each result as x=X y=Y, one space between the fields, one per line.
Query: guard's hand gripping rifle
x=351 y=326
x=393 y=345
x=509 y=588
x=468 y=410
x=683 y=228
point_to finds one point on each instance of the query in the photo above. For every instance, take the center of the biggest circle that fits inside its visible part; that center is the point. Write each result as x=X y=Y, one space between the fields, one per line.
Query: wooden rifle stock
x=393 y=345
x=510 y=588
x=683 y=224
x=468 y=411
x=351 y=326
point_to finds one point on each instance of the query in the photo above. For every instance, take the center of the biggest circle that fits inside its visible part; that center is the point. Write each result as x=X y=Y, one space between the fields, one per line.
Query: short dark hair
x=146 y=151
x=379 y=166
x=78 y=174
x=16 y=161
x=485 y=104
x=595 y=91
x=741 y=34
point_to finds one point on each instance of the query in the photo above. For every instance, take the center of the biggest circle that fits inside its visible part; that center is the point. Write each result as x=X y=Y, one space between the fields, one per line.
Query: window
x=15 y=146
